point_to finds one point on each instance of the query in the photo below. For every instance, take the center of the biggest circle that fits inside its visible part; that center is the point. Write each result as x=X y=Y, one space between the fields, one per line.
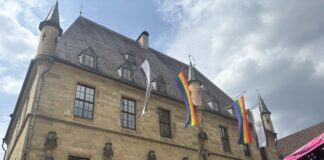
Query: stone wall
x=86 y=138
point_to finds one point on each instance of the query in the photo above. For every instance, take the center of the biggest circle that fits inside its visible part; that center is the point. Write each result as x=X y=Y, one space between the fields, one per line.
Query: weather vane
x=81 y=10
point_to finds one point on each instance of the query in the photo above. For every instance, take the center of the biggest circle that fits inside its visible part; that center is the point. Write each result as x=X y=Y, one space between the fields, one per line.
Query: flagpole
x=230 y=104
x=240 y=94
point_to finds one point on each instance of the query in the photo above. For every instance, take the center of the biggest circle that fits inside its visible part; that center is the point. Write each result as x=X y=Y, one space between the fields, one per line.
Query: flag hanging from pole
x=243 y=124
x=258 y=126
x=186 y=95
x=146 y=68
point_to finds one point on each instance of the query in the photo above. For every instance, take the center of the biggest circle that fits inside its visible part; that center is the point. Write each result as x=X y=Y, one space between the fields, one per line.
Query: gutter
x=35 y=108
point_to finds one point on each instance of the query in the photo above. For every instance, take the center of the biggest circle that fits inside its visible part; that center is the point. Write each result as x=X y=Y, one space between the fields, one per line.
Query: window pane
x=89 y=95
x=128 y=117
x=127 y=74
x=165 y=125
x=83 y=105
x=89 y=60
x=224 y=139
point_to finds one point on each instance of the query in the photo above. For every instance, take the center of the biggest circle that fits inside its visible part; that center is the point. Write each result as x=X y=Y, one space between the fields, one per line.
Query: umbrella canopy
x=311 y=146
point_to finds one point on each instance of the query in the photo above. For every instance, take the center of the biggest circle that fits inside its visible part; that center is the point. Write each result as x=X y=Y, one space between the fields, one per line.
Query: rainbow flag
x=245 y=134
x=185 y=92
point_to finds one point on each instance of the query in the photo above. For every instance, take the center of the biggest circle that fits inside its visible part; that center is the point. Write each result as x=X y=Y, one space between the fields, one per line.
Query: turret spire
x=50 y=31
x=192 y=72
x=52 y=19
x=263 y=107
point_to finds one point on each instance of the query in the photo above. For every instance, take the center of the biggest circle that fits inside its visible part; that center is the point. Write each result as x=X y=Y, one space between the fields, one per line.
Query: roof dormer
x=159 y=84
x=213 y=104
x=130 y=57
x=88 y=58
x=126 y=72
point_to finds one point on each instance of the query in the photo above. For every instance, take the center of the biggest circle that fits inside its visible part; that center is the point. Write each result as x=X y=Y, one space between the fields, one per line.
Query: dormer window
x=130 y=57
x=126 y=72
x=88 y=58
x=230 y=111
x=159 y=84
x=213 y=105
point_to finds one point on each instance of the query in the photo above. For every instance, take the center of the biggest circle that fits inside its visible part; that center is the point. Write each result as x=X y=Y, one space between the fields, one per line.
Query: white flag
x=258 y=126
x=146 y=68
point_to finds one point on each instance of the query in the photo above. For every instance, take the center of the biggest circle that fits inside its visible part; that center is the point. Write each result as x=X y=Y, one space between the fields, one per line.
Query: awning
x=312 y=150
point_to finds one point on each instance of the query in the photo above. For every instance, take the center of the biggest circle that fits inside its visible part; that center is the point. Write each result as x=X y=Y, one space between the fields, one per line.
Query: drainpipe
x=5 y=151
x=35 y=109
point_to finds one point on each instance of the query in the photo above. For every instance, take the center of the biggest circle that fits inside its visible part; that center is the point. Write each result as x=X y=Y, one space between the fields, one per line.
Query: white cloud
x=273 y=46
x=10 y=85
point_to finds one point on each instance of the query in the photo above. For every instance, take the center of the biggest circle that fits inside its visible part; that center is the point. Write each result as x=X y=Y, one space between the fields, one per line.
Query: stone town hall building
x=83 y=94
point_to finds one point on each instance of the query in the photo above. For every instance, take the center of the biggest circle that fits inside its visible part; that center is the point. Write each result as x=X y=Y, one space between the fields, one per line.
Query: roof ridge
x=107 y=29
x=313 y=126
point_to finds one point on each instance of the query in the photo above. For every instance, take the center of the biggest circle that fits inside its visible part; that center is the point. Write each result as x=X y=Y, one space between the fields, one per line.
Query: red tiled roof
x=291 y=143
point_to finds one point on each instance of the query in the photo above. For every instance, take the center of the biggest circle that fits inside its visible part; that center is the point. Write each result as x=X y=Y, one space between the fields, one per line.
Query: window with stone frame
x=246 y=148
x=128 y=113
x=165 y=123
x=84 y=102
x=224 y=139
x=77 y=158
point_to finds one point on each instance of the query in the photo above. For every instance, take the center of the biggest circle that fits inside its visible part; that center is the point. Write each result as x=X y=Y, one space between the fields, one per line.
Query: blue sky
x=274 y=46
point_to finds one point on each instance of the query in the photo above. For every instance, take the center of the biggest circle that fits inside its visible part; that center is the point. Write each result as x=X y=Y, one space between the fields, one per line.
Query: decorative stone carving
x=202 y=136
x=51 y=140
x=108 y=151
x=151 y=155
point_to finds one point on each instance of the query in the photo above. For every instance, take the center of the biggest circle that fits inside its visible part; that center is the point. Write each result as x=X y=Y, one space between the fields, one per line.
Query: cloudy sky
x=273 y=46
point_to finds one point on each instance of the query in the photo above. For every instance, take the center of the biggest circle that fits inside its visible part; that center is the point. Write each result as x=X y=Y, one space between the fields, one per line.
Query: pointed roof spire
x=52 y=19
x=192 y=72
x=263 y=107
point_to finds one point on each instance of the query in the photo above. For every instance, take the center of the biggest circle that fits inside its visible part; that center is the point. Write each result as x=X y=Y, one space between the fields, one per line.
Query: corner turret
x=50 y=31
x=194 y=87
x=266 y=116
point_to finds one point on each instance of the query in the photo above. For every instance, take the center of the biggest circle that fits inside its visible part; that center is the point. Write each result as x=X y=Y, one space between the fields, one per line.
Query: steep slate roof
x=109 y=46
x=291 y=143
x=263 y=107
x=52 y=19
